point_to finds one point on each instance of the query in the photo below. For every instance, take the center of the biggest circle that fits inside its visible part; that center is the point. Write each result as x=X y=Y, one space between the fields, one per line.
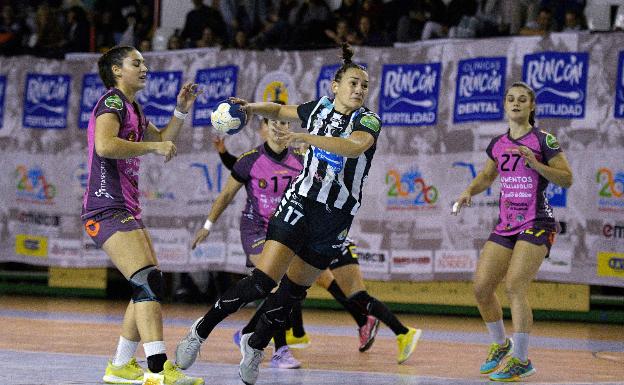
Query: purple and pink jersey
x=523 y=203
x=266 y=175
x=114 y=183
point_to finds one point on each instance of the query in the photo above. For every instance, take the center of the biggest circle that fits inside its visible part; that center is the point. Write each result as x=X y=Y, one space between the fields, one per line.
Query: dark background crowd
x=52 y=28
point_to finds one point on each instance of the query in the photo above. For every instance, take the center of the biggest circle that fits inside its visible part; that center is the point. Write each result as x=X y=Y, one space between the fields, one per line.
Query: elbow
x=103 y=150
x=567 y=182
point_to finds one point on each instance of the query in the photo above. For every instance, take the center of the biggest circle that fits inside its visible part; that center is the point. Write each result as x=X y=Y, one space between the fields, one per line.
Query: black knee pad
x=147 y=285
x=254 y=287
x=279 y=304
x=363 y=301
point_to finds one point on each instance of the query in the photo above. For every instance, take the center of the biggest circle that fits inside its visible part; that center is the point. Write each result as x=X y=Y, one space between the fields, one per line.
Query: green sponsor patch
x=371 y=122
x=551 y=142
x=114 y=102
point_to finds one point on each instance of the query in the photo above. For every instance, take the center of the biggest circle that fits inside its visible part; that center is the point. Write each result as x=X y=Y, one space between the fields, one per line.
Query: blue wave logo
x=45 y=101
x=217 y=83
x=409 y=94
x=158 y=98
x=560 y=82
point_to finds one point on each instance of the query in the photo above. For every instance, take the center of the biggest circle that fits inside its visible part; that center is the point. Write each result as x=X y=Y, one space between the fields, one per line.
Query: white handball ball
x=228 y=117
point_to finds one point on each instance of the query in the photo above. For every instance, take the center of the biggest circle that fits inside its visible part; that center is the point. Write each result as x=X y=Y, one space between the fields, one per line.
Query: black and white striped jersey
x=330 y=178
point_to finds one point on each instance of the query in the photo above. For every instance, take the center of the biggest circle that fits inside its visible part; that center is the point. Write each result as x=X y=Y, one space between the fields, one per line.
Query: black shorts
x=313 y=230
x=348 y=256
x=536 y=237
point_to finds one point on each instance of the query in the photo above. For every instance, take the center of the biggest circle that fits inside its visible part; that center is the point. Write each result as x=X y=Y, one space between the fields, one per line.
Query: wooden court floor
x=45 y=335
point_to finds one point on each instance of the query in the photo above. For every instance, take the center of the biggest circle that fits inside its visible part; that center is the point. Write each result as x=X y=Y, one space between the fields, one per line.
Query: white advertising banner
x=441 y=105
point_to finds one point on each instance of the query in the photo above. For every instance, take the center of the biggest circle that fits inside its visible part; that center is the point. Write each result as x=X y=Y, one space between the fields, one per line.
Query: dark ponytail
x=347 y=55
x=531 y=96
x=113 y=56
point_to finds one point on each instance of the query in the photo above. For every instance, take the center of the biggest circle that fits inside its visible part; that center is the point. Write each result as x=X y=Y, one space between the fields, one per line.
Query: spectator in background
x=541 y=26
x=145 y=45
x=573 y=22
x=410 y=26
x=197 y=19
x=275 y=30
x=368 y=35
x=245 y=15
x=174 y=42
x=437 y=20
x=341 y=33
x=12 y=32
x=517 y=13
x=240 y=40
x=208 y=39
x=129 y=36
x=348 y=10
x=47 y=40
x=144 y=24
x=77 y=30
x=104 y=32
x=559 y=9
x=309 y=21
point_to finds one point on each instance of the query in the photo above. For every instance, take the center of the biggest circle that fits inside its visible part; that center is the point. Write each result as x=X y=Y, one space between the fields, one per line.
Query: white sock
x=125 y=351
x=521 y=346
x=154 y=347
x=496 y=330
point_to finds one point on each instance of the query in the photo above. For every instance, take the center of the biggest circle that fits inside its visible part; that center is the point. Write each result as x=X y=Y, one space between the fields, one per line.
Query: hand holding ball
x=228 y=117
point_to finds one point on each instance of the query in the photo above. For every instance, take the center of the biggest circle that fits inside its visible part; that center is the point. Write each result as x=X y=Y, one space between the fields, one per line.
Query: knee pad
x=279 y=305
x=147 y=285
x=254 y=287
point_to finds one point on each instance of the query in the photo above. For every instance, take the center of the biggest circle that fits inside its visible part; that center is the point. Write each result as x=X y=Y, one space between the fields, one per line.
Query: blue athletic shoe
x=514 y=370
x=237 y=337
x=496 y=355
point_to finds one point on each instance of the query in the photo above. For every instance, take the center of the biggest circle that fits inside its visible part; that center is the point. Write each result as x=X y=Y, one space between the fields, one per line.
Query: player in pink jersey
x=526 y=159
x=118 y=133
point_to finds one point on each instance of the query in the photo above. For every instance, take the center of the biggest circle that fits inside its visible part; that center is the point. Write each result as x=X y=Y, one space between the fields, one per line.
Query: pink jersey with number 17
x=523 y=203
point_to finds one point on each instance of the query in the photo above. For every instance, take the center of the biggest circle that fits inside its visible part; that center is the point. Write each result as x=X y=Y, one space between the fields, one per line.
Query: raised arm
x=186 y=97
x=269 y=110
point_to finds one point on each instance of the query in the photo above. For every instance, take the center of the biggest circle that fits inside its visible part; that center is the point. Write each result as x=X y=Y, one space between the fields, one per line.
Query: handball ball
x=228 y=117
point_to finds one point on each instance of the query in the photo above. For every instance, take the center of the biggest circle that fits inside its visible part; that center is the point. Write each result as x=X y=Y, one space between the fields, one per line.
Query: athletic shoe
x=283 y=359
x=174 y=376
x=252 y=358
x=130 y=373
x=237 y=337
x=514 y=370
x=407 y=343
x=297 y=342
x=188 y=347
x=496 y=355
x=368 y=333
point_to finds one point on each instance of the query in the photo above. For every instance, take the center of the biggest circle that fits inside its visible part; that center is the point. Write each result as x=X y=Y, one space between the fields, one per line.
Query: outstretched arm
x=480 y=183
x=221 y=203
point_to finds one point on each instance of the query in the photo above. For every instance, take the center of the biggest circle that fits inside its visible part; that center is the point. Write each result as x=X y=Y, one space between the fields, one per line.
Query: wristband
x=179 y=115
x=207 y=224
